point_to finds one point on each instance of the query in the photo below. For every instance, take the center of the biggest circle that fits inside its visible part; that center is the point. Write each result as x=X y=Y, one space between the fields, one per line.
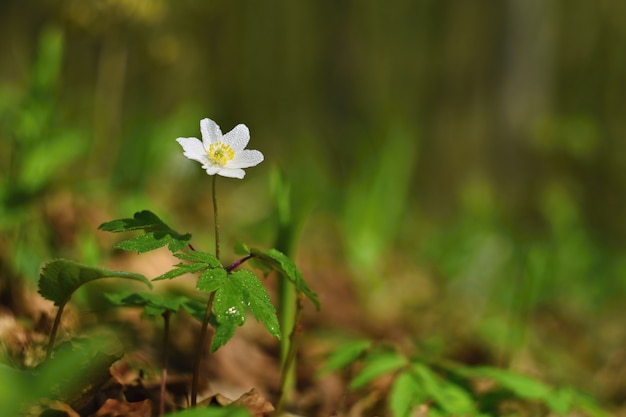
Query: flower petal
x=245 y=159
x=237 y=138
x=193 y=149
x=232 y=173
x=211 y=169
x=211 y=132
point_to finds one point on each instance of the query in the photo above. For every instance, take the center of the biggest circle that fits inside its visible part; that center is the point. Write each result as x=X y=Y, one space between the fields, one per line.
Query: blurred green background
x=468 y=156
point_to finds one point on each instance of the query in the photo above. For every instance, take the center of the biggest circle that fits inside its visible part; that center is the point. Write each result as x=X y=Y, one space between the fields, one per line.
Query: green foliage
x=235 y=292
x=447 y=388
x=17 y=389
x=157 y=233
x=36 y=152
x=84 y=361
x=377 y=363
x=450 y=398
x=200 y=261
x=345 y=355
x=405 y=394
x=376 y=201
x=212 y=412
x=274 y=260
x=512 y=384
x=242 y=290
x=60 y=278
x=155 y=305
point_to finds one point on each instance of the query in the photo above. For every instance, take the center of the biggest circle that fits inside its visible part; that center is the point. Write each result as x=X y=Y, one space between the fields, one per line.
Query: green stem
x=53 y=332
x=289 y=361
x=288 y=319
x=215 y=218
x=209 y=307
x=166 y=331
x=200 y=350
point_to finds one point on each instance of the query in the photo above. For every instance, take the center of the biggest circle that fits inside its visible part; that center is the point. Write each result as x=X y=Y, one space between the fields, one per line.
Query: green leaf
x=256 y=298
x=181 y=269
x=453 y=399
x=197 y=309
x=522 y=385
x=154 y=304
x=60 y=278
x=242 y=249
x=404 y=395
x=558 y=400
x=345 y=355
x=224 y=331
x=278 y=261
x=157 y=233
x=202 y=257
x=229 y=311
x=77 y=365
x=377 y=364
x=240 y=291
x=18 y=388
x=212 y=279
x=200 y=261
x=589 y=406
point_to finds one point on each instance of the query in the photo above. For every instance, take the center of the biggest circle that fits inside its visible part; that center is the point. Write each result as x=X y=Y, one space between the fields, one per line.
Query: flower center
x=220 y=153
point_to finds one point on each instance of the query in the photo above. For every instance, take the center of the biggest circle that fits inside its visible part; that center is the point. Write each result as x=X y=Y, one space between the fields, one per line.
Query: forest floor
x=247 y=369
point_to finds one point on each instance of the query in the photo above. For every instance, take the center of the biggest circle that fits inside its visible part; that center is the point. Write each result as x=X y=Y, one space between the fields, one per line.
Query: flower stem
x=166 y=331
x=53 y=332
x=209 y=307
x=200 y=350
x=216 y=221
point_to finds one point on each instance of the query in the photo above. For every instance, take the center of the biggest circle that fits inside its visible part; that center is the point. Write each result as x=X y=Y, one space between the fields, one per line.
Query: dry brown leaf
x=255 y=403
x=63 y=407
x=115 y=408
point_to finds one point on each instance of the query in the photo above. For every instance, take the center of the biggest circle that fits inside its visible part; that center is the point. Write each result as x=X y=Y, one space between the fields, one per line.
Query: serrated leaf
x=153 y=304
x=157 y=233
x=255 y=297
x=238 y=292
x=377 y=364
x=404 y=395
x=212 y=279
x=141 y=220
x=200 y=261
x=201 y=257
x=450 y=397
x=345 y=355
x=60 y=278
x=197 y=309
x=278 y=261
x=181 y=269
x=229 y=312
x=224 y=331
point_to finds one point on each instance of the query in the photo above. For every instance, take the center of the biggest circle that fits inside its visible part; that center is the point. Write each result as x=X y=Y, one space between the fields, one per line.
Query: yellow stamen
x=220 y=153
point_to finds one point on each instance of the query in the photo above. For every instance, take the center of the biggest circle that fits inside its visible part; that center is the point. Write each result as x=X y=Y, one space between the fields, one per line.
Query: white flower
x=221 y=154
